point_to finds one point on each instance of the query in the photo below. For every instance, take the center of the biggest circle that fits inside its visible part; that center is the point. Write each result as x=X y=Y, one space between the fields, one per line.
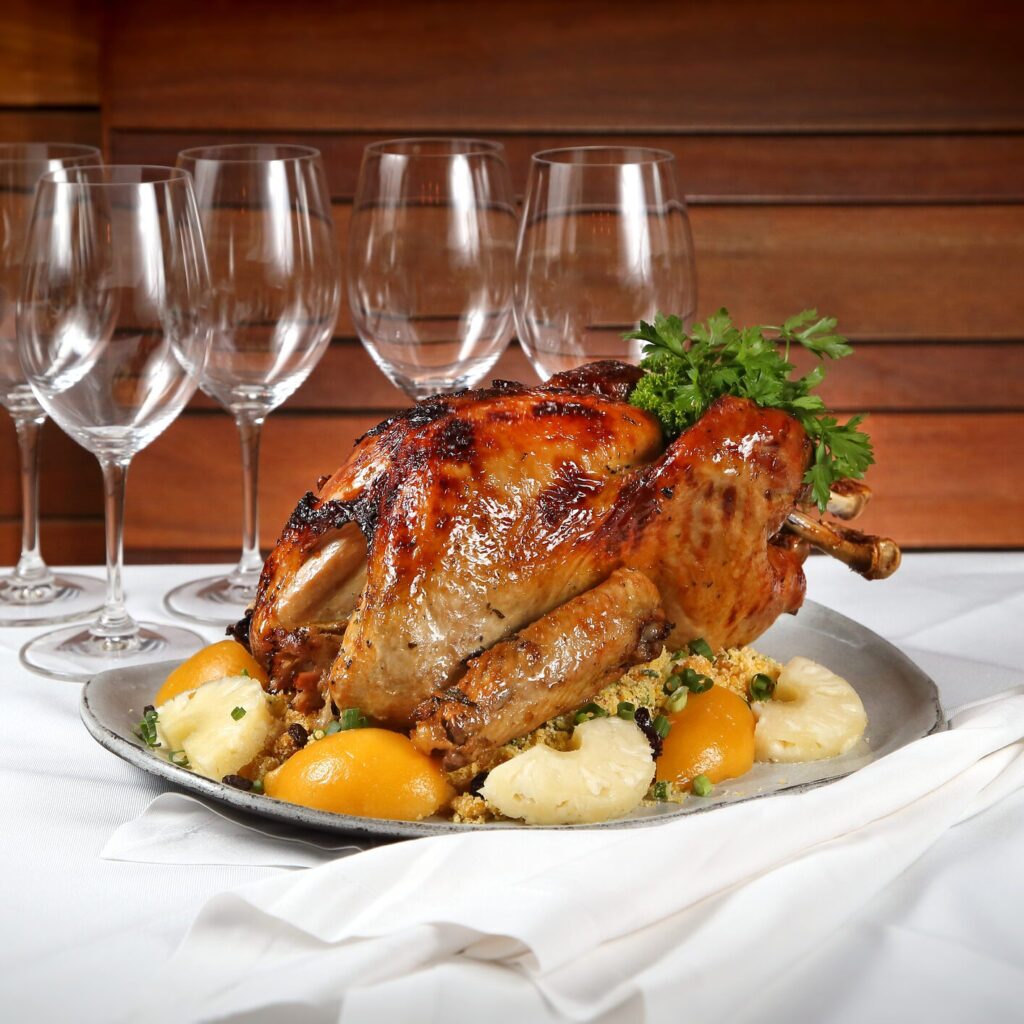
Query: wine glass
x=431 y=256
x=604 y=242
x=112 y=334
x=272 y=250
x=31 y=594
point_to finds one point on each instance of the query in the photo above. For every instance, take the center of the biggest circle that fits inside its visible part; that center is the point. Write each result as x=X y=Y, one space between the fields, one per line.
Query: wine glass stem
x=31 y=569
x=115 y=624
x=250 y=428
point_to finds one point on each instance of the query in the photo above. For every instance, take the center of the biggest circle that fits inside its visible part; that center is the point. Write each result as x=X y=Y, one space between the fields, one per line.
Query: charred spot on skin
x=419 y=415
x=455 y=441
x=569 y=486
x=668 y=492
x=321 y=480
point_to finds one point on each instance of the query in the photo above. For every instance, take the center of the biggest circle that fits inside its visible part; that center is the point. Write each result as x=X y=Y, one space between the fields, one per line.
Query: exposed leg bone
x=874 y=558
x=848 y=498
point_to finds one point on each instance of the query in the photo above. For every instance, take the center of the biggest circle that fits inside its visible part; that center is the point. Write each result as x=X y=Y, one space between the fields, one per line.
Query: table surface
x=80 y=932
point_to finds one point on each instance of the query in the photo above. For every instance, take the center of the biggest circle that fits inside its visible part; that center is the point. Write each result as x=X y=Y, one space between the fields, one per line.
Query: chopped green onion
x=353 y=718
x=332 y=727
x=661 y=791
x=180 y=758
x=673 y=683
x=626 y=710
x=146 y=729
x=649 y=673
x=697 y=682
x=702 y=786
x=589 y=711
x=244 y=672
x=662 y=726
x=237 y=713
x=761 y=687
x=318 y=734
x=677 y=700
x=701 y=647
x=257 y=786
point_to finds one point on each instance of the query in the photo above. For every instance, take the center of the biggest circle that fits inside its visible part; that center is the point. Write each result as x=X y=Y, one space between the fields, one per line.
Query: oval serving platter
x=901 y=701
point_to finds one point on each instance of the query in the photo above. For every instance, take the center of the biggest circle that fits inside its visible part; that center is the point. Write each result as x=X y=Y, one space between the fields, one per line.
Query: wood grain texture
x=745 y=65
x=64 y=541
x=892 y=376
x=907 y=272
x=41 y=125
x=49 y=53
x=966 y=168
x=184 y=491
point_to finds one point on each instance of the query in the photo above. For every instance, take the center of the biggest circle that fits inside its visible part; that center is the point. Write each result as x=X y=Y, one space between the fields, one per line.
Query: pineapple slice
x=221 y=726
x=605 y=776
x=815 y=714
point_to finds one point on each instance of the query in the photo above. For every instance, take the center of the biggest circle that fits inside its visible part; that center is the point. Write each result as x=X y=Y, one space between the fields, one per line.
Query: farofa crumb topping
x=643 y=686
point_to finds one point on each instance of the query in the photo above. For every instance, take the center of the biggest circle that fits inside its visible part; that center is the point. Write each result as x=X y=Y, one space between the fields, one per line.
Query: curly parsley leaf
x=687 y=372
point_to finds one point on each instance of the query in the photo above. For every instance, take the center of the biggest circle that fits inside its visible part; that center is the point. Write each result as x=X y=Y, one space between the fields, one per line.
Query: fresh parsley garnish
x=146 y=729
x=687 y=372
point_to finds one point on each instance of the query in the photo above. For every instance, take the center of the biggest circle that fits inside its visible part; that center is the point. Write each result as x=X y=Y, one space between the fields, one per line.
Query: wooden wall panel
x=890 y=376
x=965 y=168
x=802 y=65
x=906 y=272
x=49 y=53
x=864 y=158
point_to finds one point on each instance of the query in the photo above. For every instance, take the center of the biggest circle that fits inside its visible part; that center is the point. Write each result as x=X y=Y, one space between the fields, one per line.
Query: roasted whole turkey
x=487 y=560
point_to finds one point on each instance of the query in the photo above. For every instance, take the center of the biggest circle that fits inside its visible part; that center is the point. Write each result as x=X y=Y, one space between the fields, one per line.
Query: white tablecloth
x=80 y=933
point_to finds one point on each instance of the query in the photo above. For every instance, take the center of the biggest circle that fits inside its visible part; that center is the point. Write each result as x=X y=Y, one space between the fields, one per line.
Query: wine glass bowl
x=31 y=594
x=431 y=257
x=112 y=334
x=275 y=293
x=604 y=242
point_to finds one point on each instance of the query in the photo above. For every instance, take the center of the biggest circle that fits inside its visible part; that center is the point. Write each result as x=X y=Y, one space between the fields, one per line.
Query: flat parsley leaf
x=687 y=372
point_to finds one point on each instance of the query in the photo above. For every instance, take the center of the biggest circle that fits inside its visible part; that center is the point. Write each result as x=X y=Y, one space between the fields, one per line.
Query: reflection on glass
x=431 y=252
x=604 y=242
x=272 y=251
x=31 y=594
x=112 y=333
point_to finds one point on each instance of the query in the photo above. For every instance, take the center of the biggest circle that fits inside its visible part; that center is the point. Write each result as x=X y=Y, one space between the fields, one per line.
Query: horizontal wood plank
x=892 y=376
x=64 y=541
x=37 y=125
x=184 y=492
x=944 y=65
x=710 y=168
x=70 y=481
x=911 y=272
x=49 y=53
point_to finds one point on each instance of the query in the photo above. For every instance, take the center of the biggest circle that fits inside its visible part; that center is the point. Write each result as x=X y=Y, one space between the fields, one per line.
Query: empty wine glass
x=31 y=594
x=604 y=242
x=431 y=256
x=112 y=334
x=271 y=245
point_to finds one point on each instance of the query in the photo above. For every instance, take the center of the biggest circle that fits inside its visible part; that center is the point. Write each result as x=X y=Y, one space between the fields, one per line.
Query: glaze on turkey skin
x=468 y=517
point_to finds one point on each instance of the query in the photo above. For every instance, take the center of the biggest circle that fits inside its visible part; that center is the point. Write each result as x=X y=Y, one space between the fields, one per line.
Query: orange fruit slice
x=373 y=773
x=712 y=736
x=226 y=658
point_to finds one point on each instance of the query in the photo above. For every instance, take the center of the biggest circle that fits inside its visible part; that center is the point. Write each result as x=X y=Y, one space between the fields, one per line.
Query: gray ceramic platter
x=902 y=705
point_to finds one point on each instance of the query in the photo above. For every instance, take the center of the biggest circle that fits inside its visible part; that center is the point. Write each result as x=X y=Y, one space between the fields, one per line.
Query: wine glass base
x=212 y=601
x=74 y=654
x=68 y=597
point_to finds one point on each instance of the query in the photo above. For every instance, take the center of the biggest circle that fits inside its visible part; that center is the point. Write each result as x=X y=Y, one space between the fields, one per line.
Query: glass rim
x=641 y=155
x=166 y=175
x=60 y=151
x=471 y=146
x=230 y=153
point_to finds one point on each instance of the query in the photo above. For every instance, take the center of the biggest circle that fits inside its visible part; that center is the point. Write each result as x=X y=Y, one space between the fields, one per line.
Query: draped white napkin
x=178 y=829
x=688 y=920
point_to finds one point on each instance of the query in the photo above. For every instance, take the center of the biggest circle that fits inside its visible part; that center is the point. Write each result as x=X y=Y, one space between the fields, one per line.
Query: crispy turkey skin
x=460 y=522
